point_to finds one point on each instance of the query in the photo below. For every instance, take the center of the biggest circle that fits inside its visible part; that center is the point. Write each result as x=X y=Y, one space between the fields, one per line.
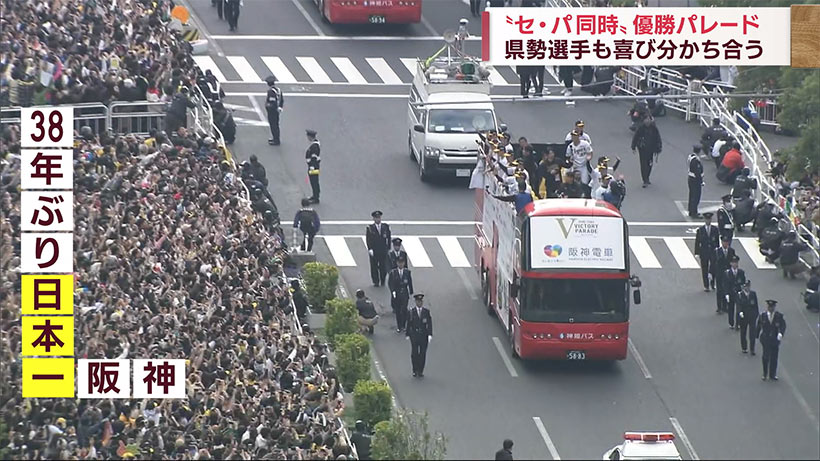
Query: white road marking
x=639 y=359
x=386 y=74
x=428 y=26
x=683 y=438
x=348 y=70
x=415 y=252
x=321 y=37
x=339 y=251
x=646 y=258
x=681 y=252
x=313 y=69
x=752 y=248
x=467 y=284
x=504 y=357
x=207 y=63
x=410 y=64
x=453 y=251
x=201 y=26
x=279 y=69
x=310 y=20
x=248 y=122
x=258 y=109
x=496 y=78
x=244 y=69
x=544 y=435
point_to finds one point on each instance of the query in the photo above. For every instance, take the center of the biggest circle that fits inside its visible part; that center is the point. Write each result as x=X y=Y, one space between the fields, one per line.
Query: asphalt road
x=685 y=372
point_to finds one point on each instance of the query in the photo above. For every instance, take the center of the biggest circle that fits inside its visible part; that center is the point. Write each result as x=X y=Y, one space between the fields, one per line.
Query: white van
x=449 y=104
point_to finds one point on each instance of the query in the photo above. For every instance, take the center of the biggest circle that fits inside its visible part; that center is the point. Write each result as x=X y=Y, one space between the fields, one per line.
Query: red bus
x=556 y=275
x=370 y=11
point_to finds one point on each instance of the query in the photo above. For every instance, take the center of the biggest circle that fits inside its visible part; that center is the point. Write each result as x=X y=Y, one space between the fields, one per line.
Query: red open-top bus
x=556 y=275
x=370 y=11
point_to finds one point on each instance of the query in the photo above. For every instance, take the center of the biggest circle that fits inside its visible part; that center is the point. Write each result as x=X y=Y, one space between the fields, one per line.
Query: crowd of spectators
x=82 y=51
x=170 y=262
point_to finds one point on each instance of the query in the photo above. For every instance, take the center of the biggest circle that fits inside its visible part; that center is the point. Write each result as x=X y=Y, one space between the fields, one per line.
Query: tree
x=407 y=436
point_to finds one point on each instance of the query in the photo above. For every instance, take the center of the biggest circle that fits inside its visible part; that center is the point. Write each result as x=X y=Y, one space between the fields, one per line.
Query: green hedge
x=320 y=284
x=407 y=436
x=353 y=359
x=373 y=402
x=342 y=319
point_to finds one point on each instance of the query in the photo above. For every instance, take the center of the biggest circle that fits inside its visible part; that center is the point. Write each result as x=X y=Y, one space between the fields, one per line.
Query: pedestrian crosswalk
x=326 y=70
x=436 y=251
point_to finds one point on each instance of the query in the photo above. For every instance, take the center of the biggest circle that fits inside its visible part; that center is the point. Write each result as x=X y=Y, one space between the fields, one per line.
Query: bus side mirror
x=636 y=296
x=502 y=127
x=418 y=128
x=615 y=455
x=514 y=287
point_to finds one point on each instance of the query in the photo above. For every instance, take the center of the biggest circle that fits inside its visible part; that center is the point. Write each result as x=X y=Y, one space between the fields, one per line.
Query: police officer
x=395 y=253
x=400 y=282
x=420 y=333
x=378 y=237
x=735 y=278
x=771 y=327
x=232 y=13
x=723 y=255
x=726 y=222
x=747 y=312
x=274 y=104
x=313 y=158
x=695 y=181
x=307 y=221
x=706 y=243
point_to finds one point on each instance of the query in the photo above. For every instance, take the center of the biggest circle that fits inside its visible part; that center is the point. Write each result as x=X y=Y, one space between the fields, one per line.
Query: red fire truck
x=556 y=274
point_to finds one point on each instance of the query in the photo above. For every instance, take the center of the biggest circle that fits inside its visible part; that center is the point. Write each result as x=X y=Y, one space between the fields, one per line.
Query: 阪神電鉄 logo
x=553 y=251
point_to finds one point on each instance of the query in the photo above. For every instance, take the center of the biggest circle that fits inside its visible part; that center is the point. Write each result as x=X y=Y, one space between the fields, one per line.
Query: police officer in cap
x=313 y=158
x=735 y=278
x=395 y=253
x=274 y=104
x=723 y=257
x=400 y=282
x=747 y=312
x=726 y=221
x=695 y=181
x=771 y=327
x=377 y=237
x=706 y=243
x=420 y=333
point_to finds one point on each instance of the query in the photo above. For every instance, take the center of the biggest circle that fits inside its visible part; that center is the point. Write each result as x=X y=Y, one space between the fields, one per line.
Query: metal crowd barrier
x=767 y=111
x=94 y=115
x=138 y=118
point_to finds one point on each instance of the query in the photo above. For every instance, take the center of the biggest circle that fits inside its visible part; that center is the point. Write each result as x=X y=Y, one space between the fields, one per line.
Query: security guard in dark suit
x=723 y=256
x=420 y=333
x=395 y=253
x=735 y=278
x=748 y=311
x=313 y=158
x=378 y=237
x=771 y=326
x=400 y=282
x=274 y=104
x=695 y=181
x=726 y=222
x=706 y=243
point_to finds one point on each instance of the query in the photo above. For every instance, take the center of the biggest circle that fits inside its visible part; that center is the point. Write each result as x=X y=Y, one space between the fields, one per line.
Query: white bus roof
x=635 y=449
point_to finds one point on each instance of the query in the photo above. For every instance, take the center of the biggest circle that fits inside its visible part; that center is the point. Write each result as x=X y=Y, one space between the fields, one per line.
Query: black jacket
x=748 y=305
x=377 y=241
x=419 y=326
x=733 y=283
x=768 y=330
x=401 y=284
x=647 y=138
x=705 y=246
x=695 y=169
x=790 y=251
x=301 y=302
x=504 y=454
x=722 y=261
x=392 y=258
x=366 y=308
x=726 y=222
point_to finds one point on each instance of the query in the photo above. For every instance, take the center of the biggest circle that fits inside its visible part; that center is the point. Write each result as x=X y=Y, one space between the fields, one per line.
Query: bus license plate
x=462 y=173
x=576 y=355
x=377 y=19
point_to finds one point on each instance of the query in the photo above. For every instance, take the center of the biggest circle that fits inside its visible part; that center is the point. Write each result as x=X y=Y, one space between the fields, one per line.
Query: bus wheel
x=512 y=340
x=422 y=172
x=410 y=147
x=485 y=291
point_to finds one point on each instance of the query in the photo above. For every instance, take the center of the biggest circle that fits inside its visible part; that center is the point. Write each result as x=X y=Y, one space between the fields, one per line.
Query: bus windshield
x=460 y=120
x=585 y=301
